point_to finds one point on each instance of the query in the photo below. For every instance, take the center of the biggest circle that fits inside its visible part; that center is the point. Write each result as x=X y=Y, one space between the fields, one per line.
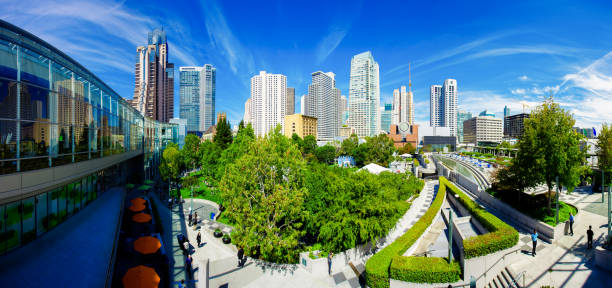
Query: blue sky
x=500 y=54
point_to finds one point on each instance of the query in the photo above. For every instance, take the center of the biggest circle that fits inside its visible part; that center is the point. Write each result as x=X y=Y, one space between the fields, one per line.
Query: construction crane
x=524 y=105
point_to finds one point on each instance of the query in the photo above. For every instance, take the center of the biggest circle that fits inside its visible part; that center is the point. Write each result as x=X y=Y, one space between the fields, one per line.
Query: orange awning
x=147 y=245
x=137 y=207
x=141 y=218
x=137 y=201
x=140 y=277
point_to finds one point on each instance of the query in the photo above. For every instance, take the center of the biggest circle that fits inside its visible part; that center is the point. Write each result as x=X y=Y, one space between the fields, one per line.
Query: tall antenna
x=409 y=79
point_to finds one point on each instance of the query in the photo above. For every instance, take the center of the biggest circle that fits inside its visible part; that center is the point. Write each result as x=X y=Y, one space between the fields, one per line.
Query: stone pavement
x=74 y=254
x=566 y=262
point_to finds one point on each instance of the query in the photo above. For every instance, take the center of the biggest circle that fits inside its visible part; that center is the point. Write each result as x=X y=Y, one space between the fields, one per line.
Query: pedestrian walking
x=589 y=238
x=329 y=262
x=199 y=239
x=195 y=218
x=188 y=261
x=240 y=256
x=190 y=218
x=571 y=219
x=534 y=239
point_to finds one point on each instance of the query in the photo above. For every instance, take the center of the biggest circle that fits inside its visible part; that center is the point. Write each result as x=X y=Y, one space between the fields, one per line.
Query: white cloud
x=329 y=43
x=523 y=78
x=225 y=41
x=518 y=91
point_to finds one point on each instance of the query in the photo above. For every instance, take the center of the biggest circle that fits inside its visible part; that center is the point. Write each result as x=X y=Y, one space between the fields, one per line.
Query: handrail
x=113 y=256
x=515 y=281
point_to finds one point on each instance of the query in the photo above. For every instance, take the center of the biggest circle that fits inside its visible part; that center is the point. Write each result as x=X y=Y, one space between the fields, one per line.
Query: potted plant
x=218 y=233
x=226 y=239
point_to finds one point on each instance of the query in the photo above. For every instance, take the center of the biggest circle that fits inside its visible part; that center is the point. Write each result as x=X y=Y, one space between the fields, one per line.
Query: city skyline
x=527 y=65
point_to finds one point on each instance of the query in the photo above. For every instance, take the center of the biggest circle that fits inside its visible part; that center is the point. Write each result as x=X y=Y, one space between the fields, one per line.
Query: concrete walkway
x=74 y=254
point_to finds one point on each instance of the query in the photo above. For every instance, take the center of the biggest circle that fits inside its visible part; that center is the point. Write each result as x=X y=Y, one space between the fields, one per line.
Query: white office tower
x=403 y=106
x=443 y=105
x=303 y=104
x=197 y=96
x=247 y=111
x=364 y=95
x=323 y=103
x=268 y=102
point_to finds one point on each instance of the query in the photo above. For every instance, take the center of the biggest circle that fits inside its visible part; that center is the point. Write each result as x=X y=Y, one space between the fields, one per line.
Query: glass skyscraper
x=461 y=117
x=197 y=96
x=364 y=95
x=386 y=117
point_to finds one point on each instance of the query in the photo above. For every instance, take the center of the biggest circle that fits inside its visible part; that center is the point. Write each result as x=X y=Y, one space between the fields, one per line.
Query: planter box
x=315 y=266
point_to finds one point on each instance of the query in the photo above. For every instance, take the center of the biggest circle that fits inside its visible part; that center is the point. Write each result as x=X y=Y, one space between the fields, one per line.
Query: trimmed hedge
x=425 y=269
x=501 y=235
x=377 y=267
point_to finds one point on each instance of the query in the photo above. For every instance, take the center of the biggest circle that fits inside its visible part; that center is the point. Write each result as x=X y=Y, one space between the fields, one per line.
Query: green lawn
x=541 y=214
x=201 y=192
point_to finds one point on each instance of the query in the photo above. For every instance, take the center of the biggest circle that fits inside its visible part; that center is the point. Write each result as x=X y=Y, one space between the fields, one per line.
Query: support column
x=18 y=122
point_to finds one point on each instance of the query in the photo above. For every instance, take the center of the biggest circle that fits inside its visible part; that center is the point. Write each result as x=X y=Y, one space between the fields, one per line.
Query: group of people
x=193 y=219
x=173 y=200
x=572 y=218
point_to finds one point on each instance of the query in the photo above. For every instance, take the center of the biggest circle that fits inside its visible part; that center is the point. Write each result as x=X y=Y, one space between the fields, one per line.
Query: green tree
x=209 y=161
x=241 y=125
x=223 y=137
x=310 y=145
x=240 y=146
x=326 y=154
x=191 y=151
x=264 y=194
x=604 y=149
x=297 y=140
x=171 y=164
x=380 y=149
x=406 y=149
x=549 y=148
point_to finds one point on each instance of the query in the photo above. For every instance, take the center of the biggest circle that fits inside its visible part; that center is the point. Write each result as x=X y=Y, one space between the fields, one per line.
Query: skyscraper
x=303 y=104
x=154 y=79
x=461 y=117
x=247 y=112
x=323 y=103
x=364 y=95
x=268 y=101
x=197 y=96
x=443 y=105
x=403 y=107
x=344 y=109
x=386 y=114
x=290 y=101
x=506 y=111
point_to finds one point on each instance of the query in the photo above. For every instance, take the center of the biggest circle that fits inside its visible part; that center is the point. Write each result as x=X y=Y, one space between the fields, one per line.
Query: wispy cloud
x=223 y=39
x=329 y=43
x=523 y=78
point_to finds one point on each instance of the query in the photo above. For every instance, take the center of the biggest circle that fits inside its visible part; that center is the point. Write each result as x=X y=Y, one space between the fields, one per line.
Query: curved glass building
x=64 y=137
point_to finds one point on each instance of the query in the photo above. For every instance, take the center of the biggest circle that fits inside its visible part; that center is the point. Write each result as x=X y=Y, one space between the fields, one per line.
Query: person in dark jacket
x=199 y=239
x=240 y=256
x=589 y=238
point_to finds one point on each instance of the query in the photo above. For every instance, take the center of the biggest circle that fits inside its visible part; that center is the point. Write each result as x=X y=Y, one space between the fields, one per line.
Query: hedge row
x=502 y=236
x=377 y=267
x=425 y=269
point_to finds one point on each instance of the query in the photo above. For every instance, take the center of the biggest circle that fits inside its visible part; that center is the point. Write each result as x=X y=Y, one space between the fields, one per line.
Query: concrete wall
x=18 y=186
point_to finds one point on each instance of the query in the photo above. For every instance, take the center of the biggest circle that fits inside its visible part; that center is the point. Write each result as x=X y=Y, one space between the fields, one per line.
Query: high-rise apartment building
x=323 y=103
x=154 y=79
x=290 y=101
x=247 y=112
x=386 y=115
x=443 y=105
x=197 y=96
x=461 y=117
x=268 y=101
x=403 y=106
x=364 y=95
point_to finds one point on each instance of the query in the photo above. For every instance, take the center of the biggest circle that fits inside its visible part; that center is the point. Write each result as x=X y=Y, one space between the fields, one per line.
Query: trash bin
x=212 y=215
x=566 y=228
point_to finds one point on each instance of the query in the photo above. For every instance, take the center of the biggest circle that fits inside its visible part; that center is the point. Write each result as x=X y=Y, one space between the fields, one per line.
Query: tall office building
x=154 y=79
x=303 y=104
x=462 y=116
x=247 y=112
x=197 y=96
x=364 y=95
x=482 y=129
x=344 y=109
x=443 y=105
x=386 y=115
x=268 y=102
x=506 y=111
x=323 y=103
x=403 y=106
x=290 y=101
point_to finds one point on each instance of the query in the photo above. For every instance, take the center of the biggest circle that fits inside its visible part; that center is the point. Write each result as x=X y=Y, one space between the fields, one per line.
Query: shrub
x=501 y=235
x=425 y=269
x=377 y=267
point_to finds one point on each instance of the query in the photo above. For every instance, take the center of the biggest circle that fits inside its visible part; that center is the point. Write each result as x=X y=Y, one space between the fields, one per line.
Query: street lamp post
x=602 y=186
x=557 y=204
x=450 y=235
x=191 y=205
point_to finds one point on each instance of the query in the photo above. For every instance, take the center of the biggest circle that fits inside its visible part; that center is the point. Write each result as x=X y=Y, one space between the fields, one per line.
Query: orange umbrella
x=138 y=207
x=138 y=200
x=147 y=245
x=141 y=217
x=140 y=277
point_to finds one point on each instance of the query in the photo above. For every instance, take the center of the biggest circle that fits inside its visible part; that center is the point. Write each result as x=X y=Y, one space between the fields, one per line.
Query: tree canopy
x=604 y=149
x=223 y=137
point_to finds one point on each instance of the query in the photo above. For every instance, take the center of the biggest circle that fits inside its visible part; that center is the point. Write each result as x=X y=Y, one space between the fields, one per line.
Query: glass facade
x=54 y=112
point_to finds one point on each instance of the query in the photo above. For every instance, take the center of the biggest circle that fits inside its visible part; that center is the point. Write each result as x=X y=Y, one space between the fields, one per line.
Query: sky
x=510 y=53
